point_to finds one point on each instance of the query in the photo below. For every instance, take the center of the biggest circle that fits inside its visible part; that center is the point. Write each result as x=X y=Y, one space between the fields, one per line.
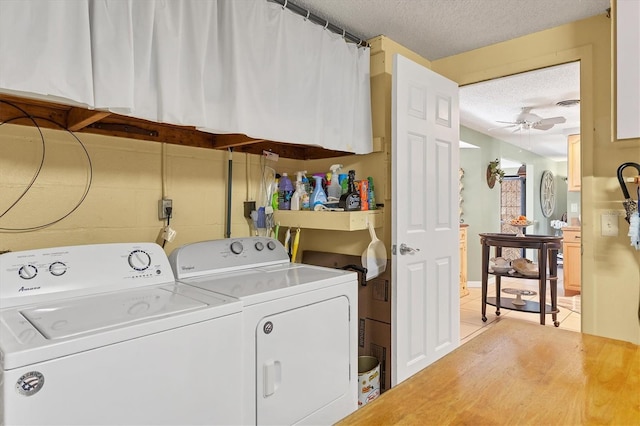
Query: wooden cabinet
x=573 y=167
x=463 y=261
x=571 y=252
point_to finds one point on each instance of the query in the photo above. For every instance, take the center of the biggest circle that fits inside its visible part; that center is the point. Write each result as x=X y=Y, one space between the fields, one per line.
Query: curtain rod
x=318 y=20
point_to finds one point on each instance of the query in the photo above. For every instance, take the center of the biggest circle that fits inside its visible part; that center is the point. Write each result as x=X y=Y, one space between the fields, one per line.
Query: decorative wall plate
x=547 y=193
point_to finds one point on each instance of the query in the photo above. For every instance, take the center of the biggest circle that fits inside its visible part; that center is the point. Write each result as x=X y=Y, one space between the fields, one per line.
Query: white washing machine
x=102 y=334
x=300 y=328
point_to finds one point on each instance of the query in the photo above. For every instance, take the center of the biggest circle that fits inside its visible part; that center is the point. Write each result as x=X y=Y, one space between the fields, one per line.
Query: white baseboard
x=478 y=284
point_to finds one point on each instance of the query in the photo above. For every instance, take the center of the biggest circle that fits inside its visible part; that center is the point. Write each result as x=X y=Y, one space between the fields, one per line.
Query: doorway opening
x=526 y=117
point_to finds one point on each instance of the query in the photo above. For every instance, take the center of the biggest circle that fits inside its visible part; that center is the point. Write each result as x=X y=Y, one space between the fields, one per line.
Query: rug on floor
x=572 y=303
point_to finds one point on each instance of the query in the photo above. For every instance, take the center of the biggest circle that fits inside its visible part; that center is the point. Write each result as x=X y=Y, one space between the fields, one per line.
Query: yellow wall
x=127 y=178
x=121 y=205
x=611 y=268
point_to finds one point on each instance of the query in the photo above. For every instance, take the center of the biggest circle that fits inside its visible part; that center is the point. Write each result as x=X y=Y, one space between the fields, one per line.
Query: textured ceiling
x=483 y=105
x=439 y=28
x=436 y=29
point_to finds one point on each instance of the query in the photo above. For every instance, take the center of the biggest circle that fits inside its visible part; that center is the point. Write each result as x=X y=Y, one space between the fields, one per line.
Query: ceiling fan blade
x=507 y=122
x=552 y=120
x=542 y=126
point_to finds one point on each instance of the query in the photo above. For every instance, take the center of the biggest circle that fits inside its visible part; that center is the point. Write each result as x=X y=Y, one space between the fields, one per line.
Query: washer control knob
x=27 y=272
x=271 y=245
x=57 y=268
x=139 y=260
x=236 y=247
x=259 y=246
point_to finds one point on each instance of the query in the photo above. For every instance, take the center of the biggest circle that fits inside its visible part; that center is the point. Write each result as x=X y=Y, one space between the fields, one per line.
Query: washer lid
x=261 y=284
x=73 y=317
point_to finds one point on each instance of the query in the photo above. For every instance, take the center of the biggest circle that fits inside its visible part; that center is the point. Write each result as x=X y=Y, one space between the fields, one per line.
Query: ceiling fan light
x=569 y=103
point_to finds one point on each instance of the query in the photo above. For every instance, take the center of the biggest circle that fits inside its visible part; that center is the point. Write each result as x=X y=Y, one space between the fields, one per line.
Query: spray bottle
x=296 y=198
x=318 y=196
x=335 y=190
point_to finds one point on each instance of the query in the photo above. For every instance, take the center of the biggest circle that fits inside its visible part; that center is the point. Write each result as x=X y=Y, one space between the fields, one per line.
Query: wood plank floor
x=518 y=373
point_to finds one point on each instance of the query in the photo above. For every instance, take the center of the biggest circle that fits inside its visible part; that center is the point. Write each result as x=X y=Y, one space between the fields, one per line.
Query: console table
x=547 y=247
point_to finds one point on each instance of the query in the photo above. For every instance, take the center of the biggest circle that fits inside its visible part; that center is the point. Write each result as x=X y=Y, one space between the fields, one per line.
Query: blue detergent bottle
x=318 y=196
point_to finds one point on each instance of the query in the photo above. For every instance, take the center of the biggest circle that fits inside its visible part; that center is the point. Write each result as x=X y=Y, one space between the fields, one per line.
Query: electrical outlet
x=609 y=225
x=162 y=208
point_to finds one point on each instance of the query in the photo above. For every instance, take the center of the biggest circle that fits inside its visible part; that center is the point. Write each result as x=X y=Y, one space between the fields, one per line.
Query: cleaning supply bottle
x=285 y=191
x=363 y=187
x=318 y=196
x=296 y=198
x=274 y=194
x=372 y=197
x=351 y=200
x=344 y=184
x=335 y=190
x=306 y=195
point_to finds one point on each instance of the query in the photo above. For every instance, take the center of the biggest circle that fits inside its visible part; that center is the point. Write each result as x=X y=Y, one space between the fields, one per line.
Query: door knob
x=405 y=249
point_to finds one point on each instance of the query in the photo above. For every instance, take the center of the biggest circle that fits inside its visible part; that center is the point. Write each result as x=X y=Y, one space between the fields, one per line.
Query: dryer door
x=302 y=360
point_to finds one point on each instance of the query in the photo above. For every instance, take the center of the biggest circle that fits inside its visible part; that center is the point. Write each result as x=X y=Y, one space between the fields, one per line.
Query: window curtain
x=223 y=66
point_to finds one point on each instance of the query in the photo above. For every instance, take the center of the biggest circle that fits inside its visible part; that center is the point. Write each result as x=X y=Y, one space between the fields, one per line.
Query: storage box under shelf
x=333 y=221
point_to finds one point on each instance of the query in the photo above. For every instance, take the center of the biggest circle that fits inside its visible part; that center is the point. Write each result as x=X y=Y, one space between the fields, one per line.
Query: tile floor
x=471 y=323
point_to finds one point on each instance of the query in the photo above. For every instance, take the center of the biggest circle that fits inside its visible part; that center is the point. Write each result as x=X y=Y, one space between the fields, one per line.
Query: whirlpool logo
x=23 y=288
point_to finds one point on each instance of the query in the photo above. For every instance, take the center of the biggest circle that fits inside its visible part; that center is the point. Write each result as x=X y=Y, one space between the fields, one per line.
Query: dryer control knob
x=271 y=245
x=259 y=246
x=27 y=272
x=57 y=269
x=236 y=247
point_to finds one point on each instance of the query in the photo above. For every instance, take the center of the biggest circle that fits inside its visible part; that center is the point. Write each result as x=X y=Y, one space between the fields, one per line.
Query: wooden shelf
x=331 y=221
x=81 y=120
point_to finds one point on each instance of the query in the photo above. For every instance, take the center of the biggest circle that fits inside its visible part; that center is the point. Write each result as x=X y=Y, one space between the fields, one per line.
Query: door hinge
x=393 y=249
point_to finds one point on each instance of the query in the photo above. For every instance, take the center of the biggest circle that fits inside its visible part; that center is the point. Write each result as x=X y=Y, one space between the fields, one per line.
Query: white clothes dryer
x=299 y=328
x=102 y=334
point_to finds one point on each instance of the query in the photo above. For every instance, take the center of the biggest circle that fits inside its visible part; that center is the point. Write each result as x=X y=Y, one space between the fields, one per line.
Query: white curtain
x=224 y=66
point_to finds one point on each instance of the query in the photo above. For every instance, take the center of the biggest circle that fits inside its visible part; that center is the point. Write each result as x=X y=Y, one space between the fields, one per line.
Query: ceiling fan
x=527 y=120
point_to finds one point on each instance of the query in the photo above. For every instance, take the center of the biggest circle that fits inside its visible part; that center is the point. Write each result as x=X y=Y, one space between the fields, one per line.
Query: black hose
x=229 y=179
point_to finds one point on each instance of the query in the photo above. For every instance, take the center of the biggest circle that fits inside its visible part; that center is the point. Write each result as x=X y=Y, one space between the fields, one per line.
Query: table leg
x=553 y=284
x=485 y=278
x=498 y=251
x=542 y=272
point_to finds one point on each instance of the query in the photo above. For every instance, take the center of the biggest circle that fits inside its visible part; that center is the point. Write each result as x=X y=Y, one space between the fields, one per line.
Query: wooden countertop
x=518 y=372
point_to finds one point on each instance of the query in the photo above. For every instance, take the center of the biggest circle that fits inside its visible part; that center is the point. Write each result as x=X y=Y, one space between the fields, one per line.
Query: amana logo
x=23 y=288
x=30 y=383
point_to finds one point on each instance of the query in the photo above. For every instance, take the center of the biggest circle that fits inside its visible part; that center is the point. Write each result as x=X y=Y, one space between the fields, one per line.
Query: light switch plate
x=609 y=225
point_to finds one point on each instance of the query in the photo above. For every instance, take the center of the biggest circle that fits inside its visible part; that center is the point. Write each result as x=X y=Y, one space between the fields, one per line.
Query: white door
x=425 y=223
